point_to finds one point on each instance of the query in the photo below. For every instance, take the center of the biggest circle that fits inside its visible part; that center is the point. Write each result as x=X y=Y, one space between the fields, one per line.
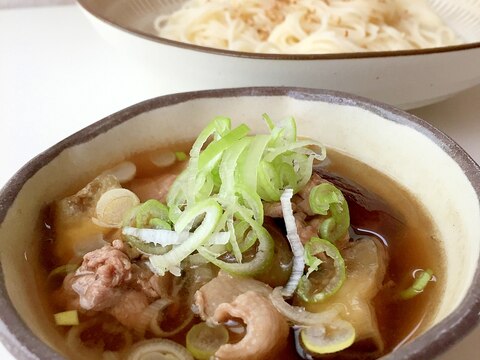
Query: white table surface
x=57 y=76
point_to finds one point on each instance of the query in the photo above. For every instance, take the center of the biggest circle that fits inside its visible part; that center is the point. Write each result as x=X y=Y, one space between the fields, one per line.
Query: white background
x=57 y=76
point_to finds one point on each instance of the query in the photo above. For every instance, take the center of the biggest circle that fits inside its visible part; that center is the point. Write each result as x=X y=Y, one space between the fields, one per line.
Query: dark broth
x=379 y=207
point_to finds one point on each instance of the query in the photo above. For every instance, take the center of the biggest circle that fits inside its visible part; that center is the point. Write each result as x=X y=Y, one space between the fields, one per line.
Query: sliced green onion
x=66 y=318
x=418 y=285
x=181 y=156
x=168 y=237
x=210 y=156
x=185 y=188
x=157 y=349
x=238 y=172
x=171 y=260
x=285 y=130
x=326 y=199
x=149 y=210
x=146 y=247
x=248 y=241
x=247 y=167
x=203 y=341
x=286 y=162
x=228 y=167
x=300 y=146
x=233 y=240
x=177 y=195
x=322 y=196
x=328 y=338
x=217 y=127
x=298 y=315
x=246 y=237
x=241 y=228
x=159 y=224
x=286 y=172
x=268 y=121
x=259 y=263
x=250 y=199
x=269 y=183
x=305 y=288
x=112 y=207
x=290 y=128
x=205 y=185
x=312 y=262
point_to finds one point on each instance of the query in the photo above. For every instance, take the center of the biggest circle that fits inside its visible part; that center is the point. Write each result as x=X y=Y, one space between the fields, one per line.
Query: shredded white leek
x=298 y=315
x=169 y=237
x=295 y=244
x=172 y=259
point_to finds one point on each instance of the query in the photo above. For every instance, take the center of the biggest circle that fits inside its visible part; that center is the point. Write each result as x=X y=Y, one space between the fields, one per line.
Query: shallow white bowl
x=406 y=79
x=420 y=158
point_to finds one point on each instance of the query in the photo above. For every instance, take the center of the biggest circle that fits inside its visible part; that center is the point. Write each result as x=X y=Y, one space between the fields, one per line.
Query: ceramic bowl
x=406 y=79
x=428 y=164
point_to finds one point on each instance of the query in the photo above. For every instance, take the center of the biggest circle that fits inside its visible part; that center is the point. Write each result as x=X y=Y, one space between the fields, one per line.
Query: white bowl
x=420 y=158
x=406 y=79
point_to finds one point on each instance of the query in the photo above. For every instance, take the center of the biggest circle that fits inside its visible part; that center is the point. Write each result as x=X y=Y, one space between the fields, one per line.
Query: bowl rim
x=21 y=341
x=242 y=54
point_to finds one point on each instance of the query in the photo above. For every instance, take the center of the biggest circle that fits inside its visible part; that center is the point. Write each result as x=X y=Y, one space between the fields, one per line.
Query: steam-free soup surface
x=380 y=210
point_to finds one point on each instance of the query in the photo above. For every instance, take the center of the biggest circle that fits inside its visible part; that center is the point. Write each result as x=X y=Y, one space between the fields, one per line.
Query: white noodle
x=307 y=26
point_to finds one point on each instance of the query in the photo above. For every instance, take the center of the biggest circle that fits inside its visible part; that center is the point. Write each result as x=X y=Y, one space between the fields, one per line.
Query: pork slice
x=108 y=281
x=224 y=289
x=124 y=247
x=65 y=296
x=301 y=200
x=316 y=179
x=99 y=279
x=306 y=229
x=93 y=295
x=266 y=329
x=145 y=281
x=129 y=308
x=273 y=209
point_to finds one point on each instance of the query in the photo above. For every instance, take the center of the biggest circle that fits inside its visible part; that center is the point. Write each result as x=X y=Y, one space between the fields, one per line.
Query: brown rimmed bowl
x=430 y=165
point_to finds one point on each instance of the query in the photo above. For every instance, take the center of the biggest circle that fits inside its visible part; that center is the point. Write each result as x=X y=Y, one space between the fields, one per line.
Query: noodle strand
x=306 y=26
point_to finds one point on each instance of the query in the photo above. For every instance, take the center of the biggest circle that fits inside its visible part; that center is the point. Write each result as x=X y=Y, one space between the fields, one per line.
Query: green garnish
x=305 y=288
x=151 y=214
x=418 y=285
x=181 y=156
x=325 y=199
x=203 y=341
x=66 y=318
x=170 y=261
x=257 y=265
x=221 y=190
x=328 y=338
